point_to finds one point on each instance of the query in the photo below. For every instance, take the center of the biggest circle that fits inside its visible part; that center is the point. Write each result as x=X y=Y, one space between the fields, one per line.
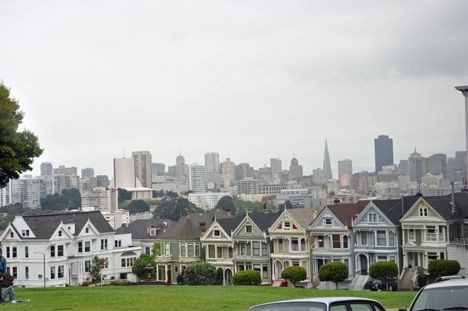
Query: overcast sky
x=251 y=80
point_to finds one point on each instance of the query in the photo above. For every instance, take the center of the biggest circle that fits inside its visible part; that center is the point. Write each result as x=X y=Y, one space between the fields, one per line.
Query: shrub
x=247 y=277
x=294 y=274
x=443 y=267
x=333 y=272
x=384 y=270
x=199 y=273
x=219 y=277
x=368 y=285
x=180 y=278
x=394 y=286
x=8 y=280
x=141 y=263
x=86 y=284
x=422 y=280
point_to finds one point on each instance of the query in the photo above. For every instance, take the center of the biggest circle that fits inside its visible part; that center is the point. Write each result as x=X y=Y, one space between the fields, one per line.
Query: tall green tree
x=174 y=208
x=96 y=267
x=17 y=149
x=227 y=203
x=333 y=272
x=68 y=200
x=138 y=206
x=124 y=195
x=141 y=263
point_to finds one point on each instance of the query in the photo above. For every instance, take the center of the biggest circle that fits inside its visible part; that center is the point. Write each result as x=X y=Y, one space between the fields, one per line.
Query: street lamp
x=43 y=256
x=312 y=262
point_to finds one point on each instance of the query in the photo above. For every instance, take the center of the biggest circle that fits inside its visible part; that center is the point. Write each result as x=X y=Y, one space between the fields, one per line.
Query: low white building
x=207 y=200
x=116 y=219
x=59 y=249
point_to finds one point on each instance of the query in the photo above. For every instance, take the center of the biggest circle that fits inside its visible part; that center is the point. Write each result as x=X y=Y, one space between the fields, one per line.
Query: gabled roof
x=264 y=221
x=443 y=206
x=44 y=226
x=139 y=228
x=347 y=212
x=229 y=224
x=188 y=227
x=304 y=216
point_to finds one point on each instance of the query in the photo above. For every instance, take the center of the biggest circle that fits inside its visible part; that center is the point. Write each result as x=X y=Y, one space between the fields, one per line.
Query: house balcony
x=164 y=258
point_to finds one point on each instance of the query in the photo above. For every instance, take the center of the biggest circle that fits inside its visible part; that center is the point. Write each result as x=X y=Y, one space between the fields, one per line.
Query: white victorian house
x=57 y=250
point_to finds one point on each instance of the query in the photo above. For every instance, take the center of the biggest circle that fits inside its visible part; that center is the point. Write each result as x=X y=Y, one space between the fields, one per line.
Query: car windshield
x=446 y=298
x=292 y=306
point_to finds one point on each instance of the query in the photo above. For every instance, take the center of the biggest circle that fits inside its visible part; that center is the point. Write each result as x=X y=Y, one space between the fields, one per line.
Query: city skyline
x=234 y=78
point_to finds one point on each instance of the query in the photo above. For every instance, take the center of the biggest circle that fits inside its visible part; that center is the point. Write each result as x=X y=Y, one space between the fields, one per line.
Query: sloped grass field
x=172 y=298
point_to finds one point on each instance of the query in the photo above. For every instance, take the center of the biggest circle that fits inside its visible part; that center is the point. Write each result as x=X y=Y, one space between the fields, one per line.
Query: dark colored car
x=322 y=304
x=446 y=294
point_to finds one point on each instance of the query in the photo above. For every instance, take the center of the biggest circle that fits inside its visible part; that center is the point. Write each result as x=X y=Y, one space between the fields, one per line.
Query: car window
x=338 y=308
x=441 y=298
x=292 y=306
x=361 y=307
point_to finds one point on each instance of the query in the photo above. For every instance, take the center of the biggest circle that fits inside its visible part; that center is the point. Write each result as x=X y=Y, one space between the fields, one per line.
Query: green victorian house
x=180 y=245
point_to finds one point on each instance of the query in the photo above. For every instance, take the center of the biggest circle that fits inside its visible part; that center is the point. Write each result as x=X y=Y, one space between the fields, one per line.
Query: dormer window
x=87 y=230
x=287 y=225
x=152 y=231
x=26 y=232
x=423 y=211
x=217 y=232
x=248 y=229
x=328 y=221
x=11 y=234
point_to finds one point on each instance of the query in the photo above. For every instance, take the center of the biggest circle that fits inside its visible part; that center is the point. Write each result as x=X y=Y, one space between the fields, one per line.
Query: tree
x=69 y=199
x=333 y=272
x=200 y=273
x=443 y=267
x=95 y=269
x=226 y=203
x=156 y=249
x=138 y=206
x=384 y=270
x=287 y=205
x=331 y=194
x=141 y=263
x=173 y=209
x=294 y=274
x=17 y=149
x=124 y=195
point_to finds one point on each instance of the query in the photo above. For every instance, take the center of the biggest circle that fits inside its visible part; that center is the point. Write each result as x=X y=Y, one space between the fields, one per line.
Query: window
x=15 y=272
x=87 y=230
x=182 y=250
x=294 y=244
x=230 y=252
x=264 y=249
x=87 y=265
x=60 y=233
x=25 y=233
x=52 y=273
x=391 y=239
x=431 y=256
x=248 y=229
x=411 y=235
x=441 y=234
x=211 y=251
x=26 y=273
x=256 y=267
x=8 y=252
x=147 y=250
x=265 y=271
x=431 y=234
x=328 y=222
x=336 y=241
x=168 y=251
x=320 y=241
x=381 y=238
x=364 y=238
x=123 y=262
x=303 y=245
x=287 y=225
x=52 y=251
x=242 y=248
x=197 y=250
x=59 y=250
x=220 y=252
x=152 y=231
x=345 y=241
x=382 y=258
x=392 y=258
x=14 y=251
x=372 y=217
x=26 y=251
x=60 y=272
x=280 y=245
x=346 y=262
x=80 y=247
x=190 y=250
x=104 y=244
x=87 y=246
x=11 y=234
x=256 y=248
x=217 y=232
x=423 y=211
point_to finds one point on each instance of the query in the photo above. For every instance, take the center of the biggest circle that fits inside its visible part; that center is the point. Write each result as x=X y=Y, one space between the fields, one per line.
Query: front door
x=278 y=270
x=363 y=260
x=169 y=276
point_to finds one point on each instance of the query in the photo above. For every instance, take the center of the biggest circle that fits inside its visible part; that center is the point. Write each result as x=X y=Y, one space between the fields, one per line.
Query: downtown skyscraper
x=327 y=172
x=383 y=152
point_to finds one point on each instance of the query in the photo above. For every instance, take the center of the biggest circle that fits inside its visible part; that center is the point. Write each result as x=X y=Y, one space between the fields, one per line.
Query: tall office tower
x=171 y=170
x=460 y=161
x=29 y=190
x=46 y=169
x=62 y=170
x=143 y=167
x=212 y=162
x=180 y=165
x=441 y=155
x=229 y=168
x=383 y=152
x=464 y=90
x=87 y=172
x=243 y=170
x=158 y=169
x=275 y=165
x=327 y=172
x=317 y=176
x=345 y=167
x=420 y=166
x=197 y=181
x=295 y=170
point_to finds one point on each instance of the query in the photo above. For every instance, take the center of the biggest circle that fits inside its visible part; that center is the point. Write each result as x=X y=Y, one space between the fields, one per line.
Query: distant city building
x=216 y=179
x=207 y=200
x=143 y=167
x=29 y=190
x=180 y=165
x=345 y=180
x=460 y=162
x=383 y=147
x=327 y=172
x=275 y=165
x=158 y=169
x=243 y=170
x=99 y=200
x=100 y=181
x=66 y=182
x=46 y=169
x=295 y=170
x=62 y=170
x=248 y=186
x=212 y=162
x=345 y=167
x=317 y=176
x=229 y=168
x=197 y=180
x=403 y=164
x=419 y=166
x=125 y=178
x=87 y=172
x=172 y=170
x=442 y=156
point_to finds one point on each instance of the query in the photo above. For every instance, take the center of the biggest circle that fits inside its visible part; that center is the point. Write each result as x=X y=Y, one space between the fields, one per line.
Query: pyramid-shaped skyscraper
x=327 y=172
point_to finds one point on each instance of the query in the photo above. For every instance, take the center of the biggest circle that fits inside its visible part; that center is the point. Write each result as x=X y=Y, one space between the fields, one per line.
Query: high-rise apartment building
x=29 y=190
x=67 y=182
x=317 y=176
x=248 y=186
x=327 y=172
x=243 y=170
x=180 y=165
x=46 y=169
x=197 y=180
x=62 y=170
x=229 y=168
x=345 y=167
x=143 y=167
x=158 y=169
x=87 y=172
x=383 y=147
x=275 y=165
x=212 y=162
x=295 y=170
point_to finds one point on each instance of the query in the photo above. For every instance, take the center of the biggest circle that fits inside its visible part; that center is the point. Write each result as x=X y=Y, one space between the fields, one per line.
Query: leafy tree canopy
x=200 y=273
x=138 y=206
x=156 y=249
x=174 y=208
x=242 y=206
x=287 y=205
x=95 y=269
x=294 y=274
x=141 y=263
x=68 y=200
x=17 y=149
x=333 y=272
x=124 y=195
x=443 y=267
x=227 y=203
x=384 y=270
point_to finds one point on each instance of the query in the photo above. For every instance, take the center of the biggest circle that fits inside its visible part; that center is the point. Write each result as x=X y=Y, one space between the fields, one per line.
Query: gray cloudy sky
x=251 y=80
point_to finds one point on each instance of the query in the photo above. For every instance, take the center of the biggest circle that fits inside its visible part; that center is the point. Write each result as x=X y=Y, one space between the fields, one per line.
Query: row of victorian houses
x=57 y=250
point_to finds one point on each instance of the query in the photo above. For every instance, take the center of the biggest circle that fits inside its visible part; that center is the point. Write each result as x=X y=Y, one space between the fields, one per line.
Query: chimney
x=117 y=219
x=454 y=212
x=229 y=211
x=336 y=201
x=265 y=209
x=203 y=227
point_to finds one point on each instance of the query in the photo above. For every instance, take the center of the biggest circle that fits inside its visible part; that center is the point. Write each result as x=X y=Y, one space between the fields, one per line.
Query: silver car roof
x=448 y=283
x=325 y=300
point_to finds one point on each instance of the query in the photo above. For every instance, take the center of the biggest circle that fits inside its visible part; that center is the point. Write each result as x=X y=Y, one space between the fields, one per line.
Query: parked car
x=322 y=304
x=447 y=293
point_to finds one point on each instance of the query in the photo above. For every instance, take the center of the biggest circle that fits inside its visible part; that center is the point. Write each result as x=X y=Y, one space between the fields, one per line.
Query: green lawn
x=180 y=298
